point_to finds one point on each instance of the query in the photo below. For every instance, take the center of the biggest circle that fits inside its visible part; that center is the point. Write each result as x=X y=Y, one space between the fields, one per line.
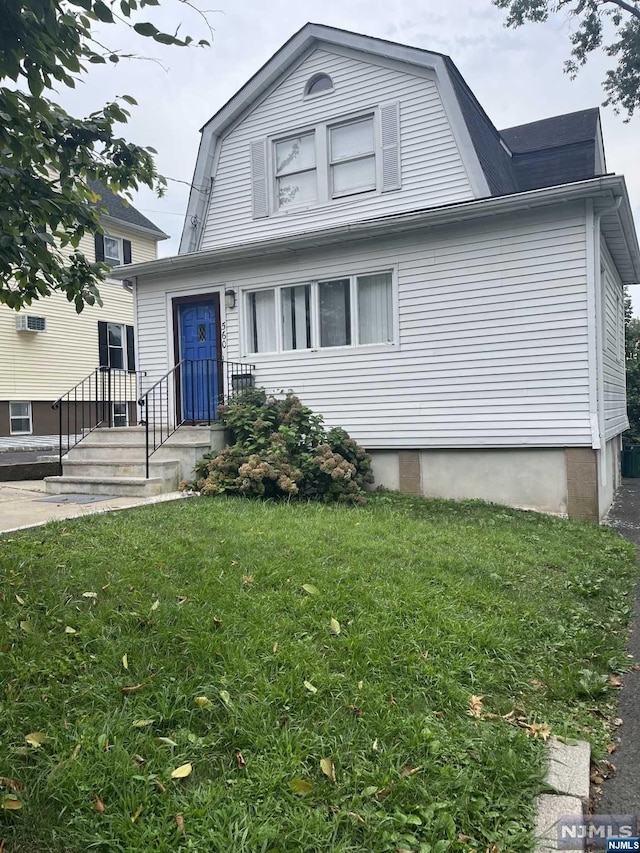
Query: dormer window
x=318 y=83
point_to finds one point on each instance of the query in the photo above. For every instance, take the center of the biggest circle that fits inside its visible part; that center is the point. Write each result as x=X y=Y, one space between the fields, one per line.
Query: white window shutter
x=390 y=137
x=259 y=179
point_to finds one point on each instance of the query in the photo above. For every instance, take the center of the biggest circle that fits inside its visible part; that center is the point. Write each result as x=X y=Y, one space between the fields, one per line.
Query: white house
x=360 y=233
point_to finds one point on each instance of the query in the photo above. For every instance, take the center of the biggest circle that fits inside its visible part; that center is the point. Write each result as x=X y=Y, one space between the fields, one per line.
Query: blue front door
x=200 y=371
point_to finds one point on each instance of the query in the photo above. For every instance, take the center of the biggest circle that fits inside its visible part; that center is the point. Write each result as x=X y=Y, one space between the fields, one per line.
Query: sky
x=517 y=75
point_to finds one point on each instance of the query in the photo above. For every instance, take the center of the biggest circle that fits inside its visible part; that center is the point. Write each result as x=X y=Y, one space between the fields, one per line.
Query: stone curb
x=567 y=772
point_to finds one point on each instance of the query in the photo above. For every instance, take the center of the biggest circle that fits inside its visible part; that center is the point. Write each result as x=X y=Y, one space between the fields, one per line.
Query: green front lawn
x=200 y=632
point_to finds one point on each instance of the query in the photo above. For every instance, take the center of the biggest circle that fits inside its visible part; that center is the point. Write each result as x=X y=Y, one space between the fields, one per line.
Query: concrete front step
x=131 y=453
x=120 y=486
x=167 y=470
x=136 y=436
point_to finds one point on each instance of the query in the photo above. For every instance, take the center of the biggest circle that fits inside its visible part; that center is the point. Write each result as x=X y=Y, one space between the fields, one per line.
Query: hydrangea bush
x=280 y=449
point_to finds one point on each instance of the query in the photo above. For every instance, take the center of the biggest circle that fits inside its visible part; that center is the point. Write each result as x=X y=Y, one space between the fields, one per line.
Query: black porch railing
x=189 y=393
x=107 y=397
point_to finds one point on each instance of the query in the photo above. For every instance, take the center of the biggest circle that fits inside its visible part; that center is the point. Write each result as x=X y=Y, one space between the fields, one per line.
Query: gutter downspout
x=599 y=439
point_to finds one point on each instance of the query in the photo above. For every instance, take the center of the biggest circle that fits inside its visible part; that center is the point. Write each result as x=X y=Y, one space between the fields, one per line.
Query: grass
x=436 y=602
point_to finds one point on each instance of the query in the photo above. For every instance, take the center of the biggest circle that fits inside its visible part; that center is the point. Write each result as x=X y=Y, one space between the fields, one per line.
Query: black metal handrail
x=190 y=393
x=106 y=397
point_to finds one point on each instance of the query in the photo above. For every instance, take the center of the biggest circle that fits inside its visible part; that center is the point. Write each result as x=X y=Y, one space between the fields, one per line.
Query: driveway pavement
x=26 y=504
x=621 y=792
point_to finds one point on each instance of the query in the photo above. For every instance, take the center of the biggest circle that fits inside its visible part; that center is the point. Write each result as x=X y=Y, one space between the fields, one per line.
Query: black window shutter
x=126 y=251
x=103 y=347
x=131 y=349
x=99 y=241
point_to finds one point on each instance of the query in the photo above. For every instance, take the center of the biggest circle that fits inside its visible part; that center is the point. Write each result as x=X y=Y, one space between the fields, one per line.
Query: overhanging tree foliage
x=47 y=156
x=610 y=25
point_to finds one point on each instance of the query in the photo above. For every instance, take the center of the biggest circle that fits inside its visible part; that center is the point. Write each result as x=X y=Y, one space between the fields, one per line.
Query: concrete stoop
x=567 y=772
x=112 y=462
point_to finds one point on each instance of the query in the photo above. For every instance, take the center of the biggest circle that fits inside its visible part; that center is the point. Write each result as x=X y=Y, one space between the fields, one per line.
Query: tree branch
x=632 y=10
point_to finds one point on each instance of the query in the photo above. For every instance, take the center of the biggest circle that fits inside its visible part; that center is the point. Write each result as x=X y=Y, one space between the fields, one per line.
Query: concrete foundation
x=561 y=481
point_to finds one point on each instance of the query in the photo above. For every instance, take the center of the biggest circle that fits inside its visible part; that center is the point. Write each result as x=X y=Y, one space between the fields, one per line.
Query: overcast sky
x=517 y=75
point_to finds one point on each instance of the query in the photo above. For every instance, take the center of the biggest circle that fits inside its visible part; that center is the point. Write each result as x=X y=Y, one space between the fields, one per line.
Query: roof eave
x=140 y=229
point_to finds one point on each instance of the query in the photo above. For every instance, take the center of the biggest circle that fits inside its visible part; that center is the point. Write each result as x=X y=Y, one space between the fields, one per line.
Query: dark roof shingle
x=567 y=129
x=117 y=208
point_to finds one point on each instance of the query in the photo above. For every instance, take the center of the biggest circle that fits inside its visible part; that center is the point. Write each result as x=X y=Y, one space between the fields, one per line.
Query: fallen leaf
x=224 y=695
x=360 y=685
x=125 y=661
x=26 y=626
x=217 y=623
x=89 y=594
x=36 y=739
x=139 y=760
x=615 y=681
x=463 y=838
x=617 y=722
x=141 y=724
x=275 y=649
x=240 y=760
x=247 y=580
x=12 y=784
x=136 y=814
x=182 y=599
x=180 y=823
x=408 y=771
x=11 y=803
x=98 y=805
x=375 y=747
x=76 y=751
x=165 y=741
x=310 y=687
x=334 y=626
x=539 y=730
x=182 y=772
x=475 y=706
x=357 y=712
x=159 y=786
x=19 y=600
x=70 y=630
x=310 y=589
x=301 y=787
x=611 y=747
x=132 y=689
x=155 y=604
x=596 y=778
x=328 y=768
x=202 y=702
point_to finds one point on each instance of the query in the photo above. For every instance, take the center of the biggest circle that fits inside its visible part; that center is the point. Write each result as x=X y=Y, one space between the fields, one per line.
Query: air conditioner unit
x=29 y=323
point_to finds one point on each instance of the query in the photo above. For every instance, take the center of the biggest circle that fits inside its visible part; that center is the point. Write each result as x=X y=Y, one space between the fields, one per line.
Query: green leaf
x=102 y=12
x=146 y=28
x=310 y=589
x=301 y=787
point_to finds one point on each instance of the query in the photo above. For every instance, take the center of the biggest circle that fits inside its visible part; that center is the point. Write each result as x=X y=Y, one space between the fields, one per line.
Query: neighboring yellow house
x=47 y=348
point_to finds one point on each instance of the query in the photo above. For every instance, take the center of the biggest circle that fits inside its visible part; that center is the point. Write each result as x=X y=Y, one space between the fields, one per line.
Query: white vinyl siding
x=427 y=157
x=491 y=335
x=612 y=350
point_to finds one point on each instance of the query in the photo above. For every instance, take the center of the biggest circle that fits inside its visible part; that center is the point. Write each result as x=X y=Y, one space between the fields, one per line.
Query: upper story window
x=352 y=157
x=318 y=83
x=295 y=170
x=112 y=250
x=325 y=162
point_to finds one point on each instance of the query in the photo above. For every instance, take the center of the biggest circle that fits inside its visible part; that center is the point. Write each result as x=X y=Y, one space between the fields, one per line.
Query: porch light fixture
x=229 y=299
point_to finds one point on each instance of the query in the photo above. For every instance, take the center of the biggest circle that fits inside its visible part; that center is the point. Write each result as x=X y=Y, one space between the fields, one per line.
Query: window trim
x=333 y=194
x=120 y=243
x=21 y=417
x=123 y=346
x=276 y=176
x=322 y=136
x=314 y=306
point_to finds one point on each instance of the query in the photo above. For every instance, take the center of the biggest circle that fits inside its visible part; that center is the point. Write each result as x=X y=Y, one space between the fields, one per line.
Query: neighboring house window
x=318 y=83
x=352 y=157
x=20 y=422
x=354 y=310
x=295 y=170
x=332 y=160
x=116 y=346
x=112 y=250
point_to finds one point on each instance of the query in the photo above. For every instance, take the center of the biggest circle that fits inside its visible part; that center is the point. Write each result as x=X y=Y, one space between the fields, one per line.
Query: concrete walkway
x=621 y=791
x=26 y=504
